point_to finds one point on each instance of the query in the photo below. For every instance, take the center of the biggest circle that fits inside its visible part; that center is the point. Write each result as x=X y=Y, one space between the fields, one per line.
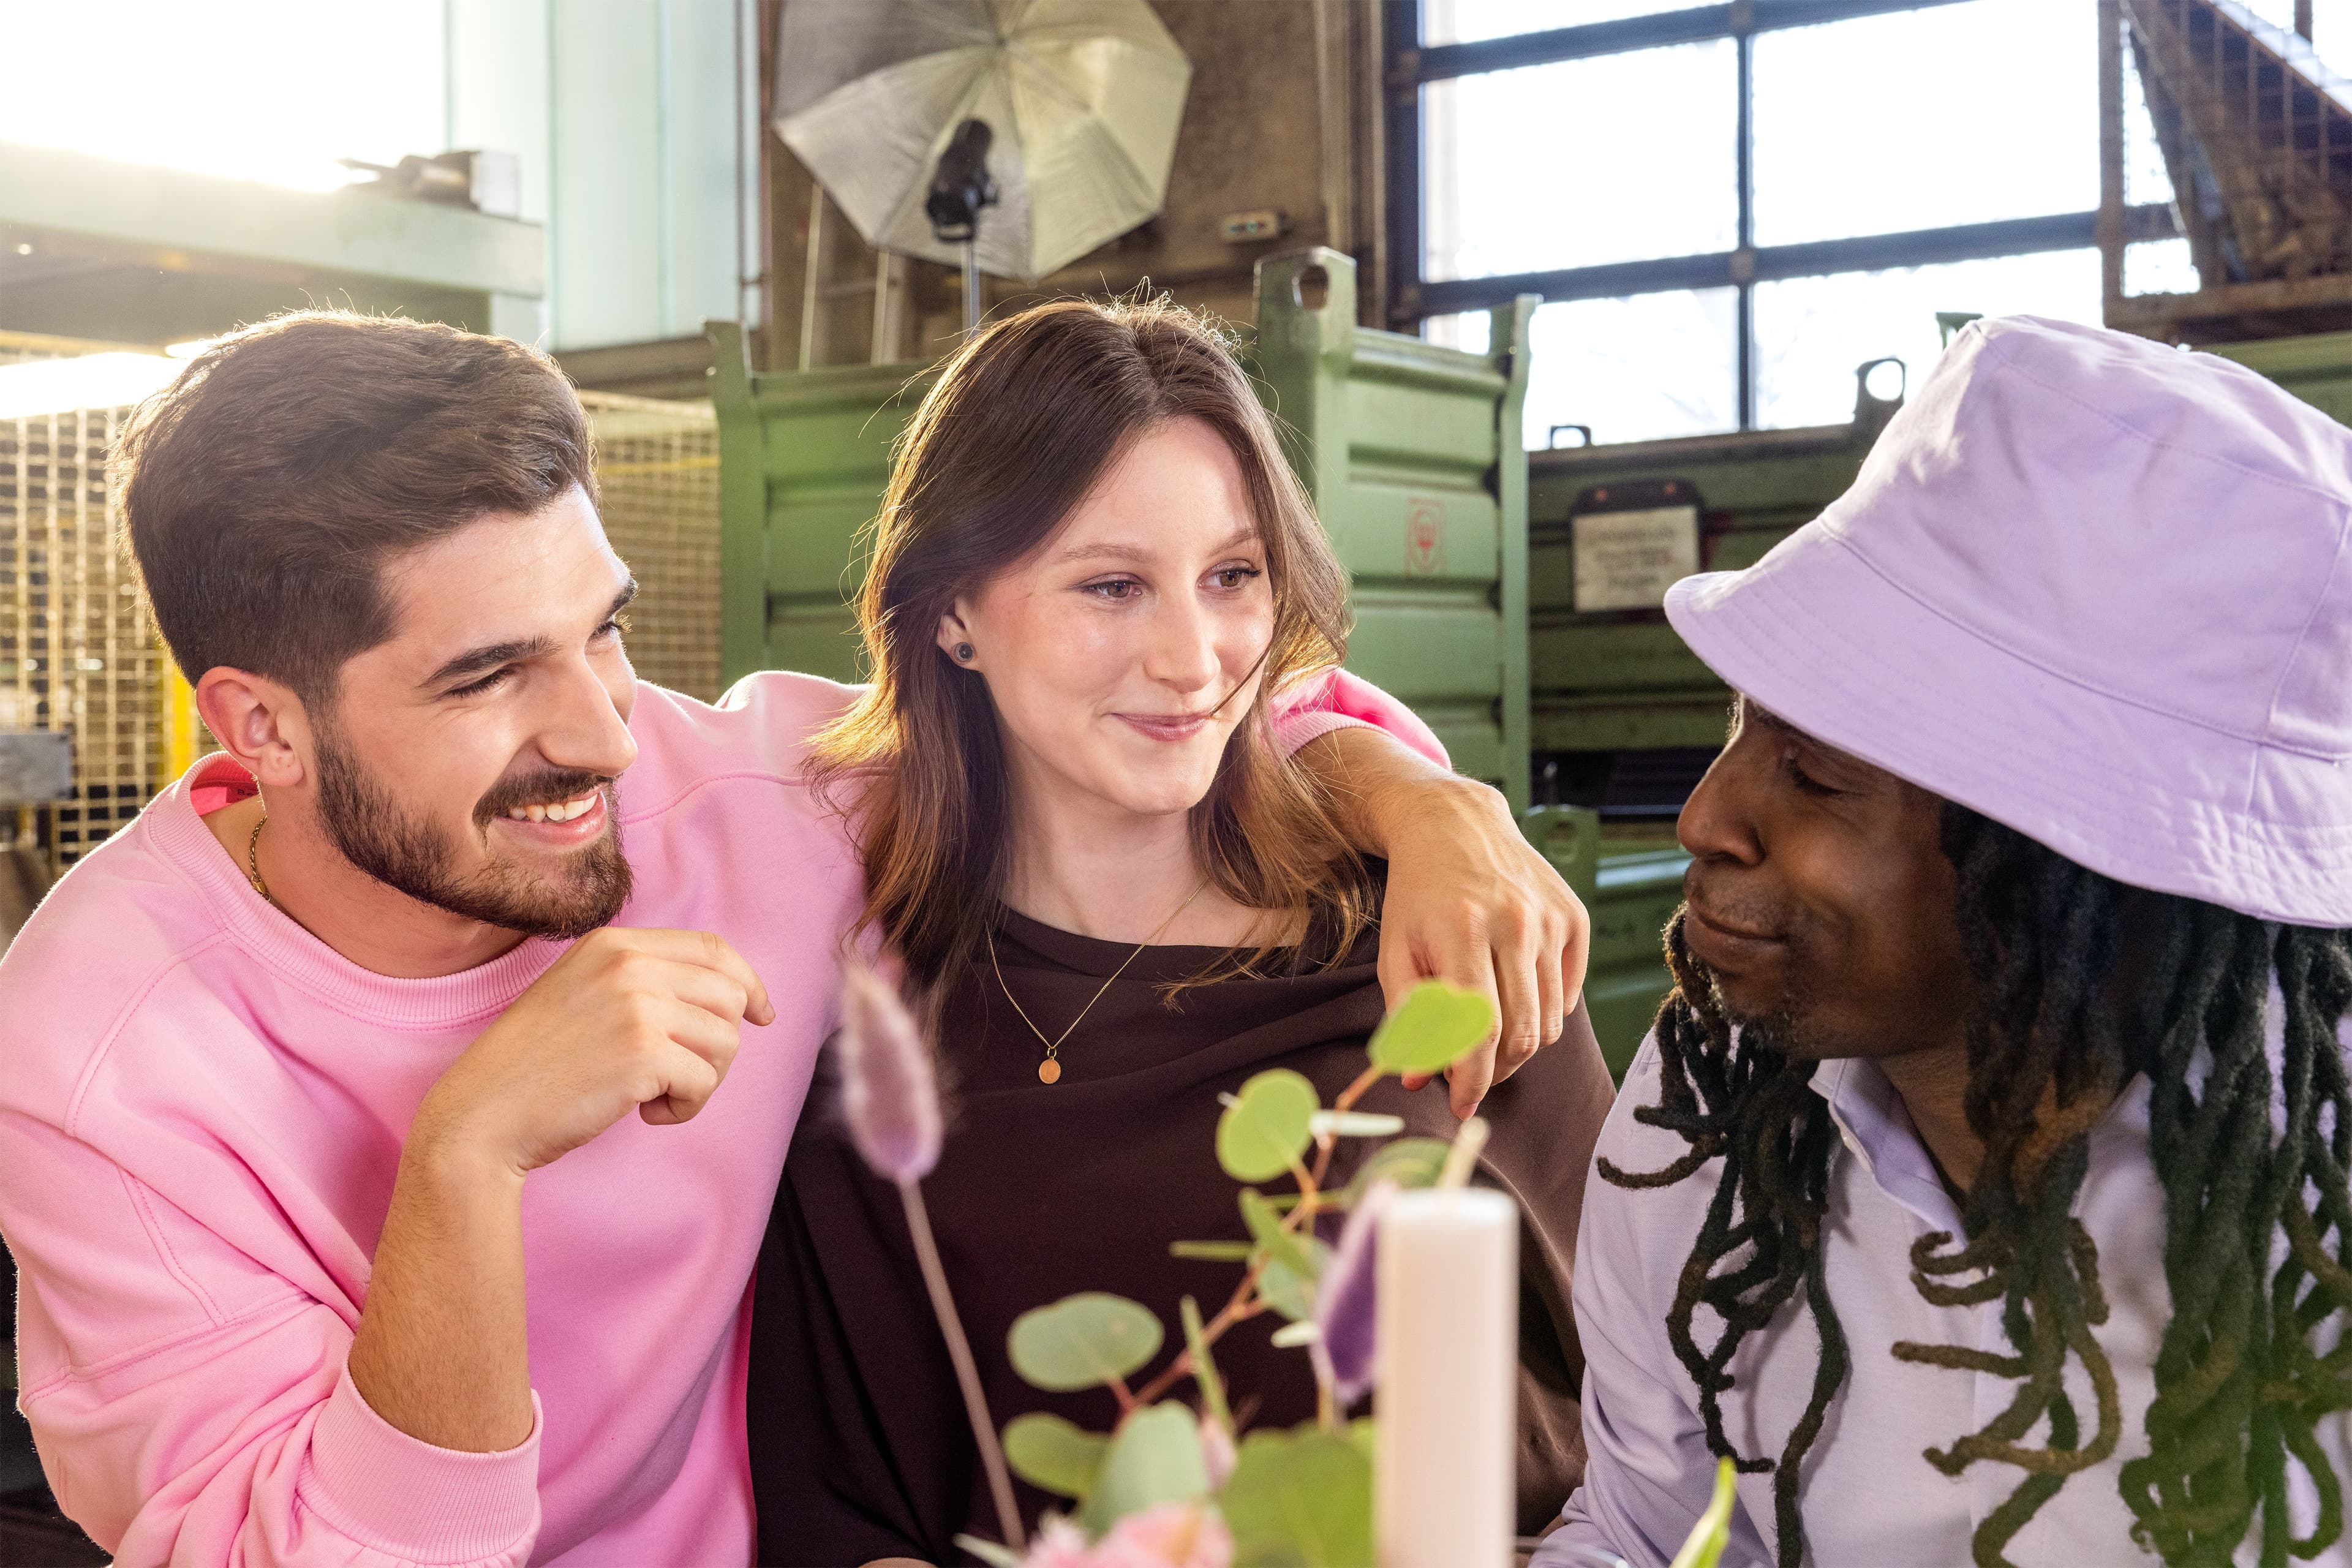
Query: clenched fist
x=629 y=1020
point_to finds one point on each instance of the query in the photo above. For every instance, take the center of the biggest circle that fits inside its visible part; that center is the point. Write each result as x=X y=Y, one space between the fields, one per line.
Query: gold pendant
x=1049 y=1071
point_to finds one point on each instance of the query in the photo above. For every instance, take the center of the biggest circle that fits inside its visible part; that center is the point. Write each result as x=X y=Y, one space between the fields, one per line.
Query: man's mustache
x=546 y=787
x=1745 y=917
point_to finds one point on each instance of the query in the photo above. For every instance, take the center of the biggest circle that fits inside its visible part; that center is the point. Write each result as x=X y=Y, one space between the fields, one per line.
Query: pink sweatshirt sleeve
x=1335 y=701
x=193 y=1409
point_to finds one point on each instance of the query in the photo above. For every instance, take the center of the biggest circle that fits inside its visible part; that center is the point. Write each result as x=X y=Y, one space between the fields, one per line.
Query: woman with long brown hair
x=1115 y=897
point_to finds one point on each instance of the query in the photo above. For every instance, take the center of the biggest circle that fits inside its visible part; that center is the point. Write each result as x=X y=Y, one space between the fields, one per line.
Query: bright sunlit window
x=261 y=89
x=1887 y=123
x=1967 y=129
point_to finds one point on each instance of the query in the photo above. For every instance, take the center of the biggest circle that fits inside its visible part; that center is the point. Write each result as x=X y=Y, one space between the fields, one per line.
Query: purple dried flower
x=1345 y=1301
x=1217 y=1456
x=889 y=1091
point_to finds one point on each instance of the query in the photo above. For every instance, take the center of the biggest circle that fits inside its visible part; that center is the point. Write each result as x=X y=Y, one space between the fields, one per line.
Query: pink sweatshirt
x=201 y=1113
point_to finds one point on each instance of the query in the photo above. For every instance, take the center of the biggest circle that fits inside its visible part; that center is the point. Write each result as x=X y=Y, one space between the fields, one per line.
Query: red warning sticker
x=1424 y=538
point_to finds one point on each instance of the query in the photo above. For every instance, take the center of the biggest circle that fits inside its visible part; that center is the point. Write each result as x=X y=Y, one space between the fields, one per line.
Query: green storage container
x=1412 y=454
x=1615 y=681
x=2316 y=368
x=1630 y=880
x=1410 y=451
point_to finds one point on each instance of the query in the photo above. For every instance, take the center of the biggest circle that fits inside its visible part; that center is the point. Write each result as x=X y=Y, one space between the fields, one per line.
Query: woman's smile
x=1167 y=726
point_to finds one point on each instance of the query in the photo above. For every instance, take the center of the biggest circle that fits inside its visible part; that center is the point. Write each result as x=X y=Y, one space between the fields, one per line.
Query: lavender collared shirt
x=1869 y=1499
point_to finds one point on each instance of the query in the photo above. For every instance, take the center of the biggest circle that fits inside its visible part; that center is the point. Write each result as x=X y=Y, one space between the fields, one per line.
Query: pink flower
x=1217 y=1456
x=1172 y=1535
x=1060 y=1545
x=889 y=1091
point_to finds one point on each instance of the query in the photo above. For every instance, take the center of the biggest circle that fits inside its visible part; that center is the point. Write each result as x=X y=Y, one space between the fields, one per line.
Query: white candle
x=1446 y=1354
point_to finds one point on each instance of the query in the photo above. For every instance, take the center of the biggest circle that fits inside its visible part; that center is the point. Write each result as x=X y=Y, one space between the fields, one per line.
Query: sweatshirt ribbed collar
x=260 y=930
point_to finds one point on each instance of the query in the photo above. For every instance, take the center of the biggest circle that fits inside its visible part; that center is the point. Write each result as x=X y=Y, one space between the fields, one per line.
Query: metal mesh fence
x=658 y=464
x=79 y=653
x=77 y=650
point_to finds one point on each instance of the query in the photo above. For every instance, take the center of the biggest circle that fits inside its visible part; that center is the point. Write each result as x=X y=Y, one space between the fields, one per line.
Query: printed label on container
x=1627 y=560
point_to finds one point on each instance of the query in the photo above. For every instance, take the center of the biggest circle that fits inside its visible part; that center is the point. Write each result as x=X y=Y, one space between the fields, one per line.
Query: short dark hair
x=264 y=490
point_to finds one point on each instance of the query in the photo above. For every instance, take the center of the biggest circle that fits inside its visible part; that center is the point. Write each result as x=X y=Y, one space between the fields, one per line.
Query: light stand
x=961 y=187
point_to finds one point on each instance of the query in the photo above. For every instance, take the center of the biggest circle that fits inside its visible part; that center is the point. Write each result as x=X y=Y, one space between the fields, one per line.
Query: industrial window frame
x=1410 y=67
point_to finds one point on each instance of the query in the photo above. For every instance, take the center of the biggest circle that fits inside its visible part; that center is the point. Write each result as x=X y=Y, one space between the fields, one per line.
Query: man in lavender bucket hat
x=1982 y=1190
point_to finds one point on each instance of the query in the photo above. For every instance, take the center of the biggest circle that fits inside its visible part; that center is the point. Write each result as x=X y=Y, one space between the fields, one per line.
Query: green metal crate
x=2316 y=368
x=1629 y=876
x=1410 y=453
x=1618 y=680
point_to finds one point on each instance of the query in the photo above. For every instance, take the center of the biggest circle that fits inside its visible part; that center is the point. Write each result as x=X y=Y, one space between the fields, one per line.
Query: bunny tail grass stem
x=975 y=1401
x=1463 y=1157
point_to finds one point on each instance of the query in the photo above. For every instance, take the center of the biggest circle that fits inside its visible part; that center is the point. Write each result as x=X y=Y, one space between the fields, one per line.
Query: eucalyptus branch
x=1325 y=1142
x=1238 y=1307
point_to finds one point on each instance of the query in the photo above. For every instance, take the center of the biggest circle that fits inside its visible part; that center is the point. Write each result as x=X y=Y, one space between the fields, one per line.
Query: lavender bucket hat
x=2096 y=589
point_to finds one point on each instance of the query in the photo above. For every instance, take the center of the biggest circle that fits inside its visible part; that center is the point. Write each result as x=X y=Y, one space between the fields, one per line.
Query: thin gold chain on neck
x=253 y=860
x=1050 y=1070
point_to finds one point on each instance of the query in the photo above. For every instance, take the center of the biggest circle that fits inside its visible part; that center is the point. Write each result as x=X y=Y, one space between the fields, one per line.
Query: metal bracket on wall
x=36 y=766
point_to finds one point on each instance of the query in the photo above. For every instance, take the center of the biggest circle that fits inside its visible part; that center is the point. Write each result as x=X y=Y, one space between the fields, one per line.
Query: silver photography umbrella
x=1079 y=100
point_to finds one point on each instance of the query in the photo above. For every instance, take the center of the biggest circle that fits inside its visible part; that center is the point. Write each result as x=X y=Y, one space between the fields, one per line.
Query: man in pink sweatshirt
x=363 y=1143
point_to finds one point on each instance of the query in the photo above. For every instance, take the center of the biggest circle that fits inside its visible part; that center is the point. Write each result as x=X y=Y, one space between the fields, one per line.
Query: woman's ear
x=258 y=721
x=955 y=637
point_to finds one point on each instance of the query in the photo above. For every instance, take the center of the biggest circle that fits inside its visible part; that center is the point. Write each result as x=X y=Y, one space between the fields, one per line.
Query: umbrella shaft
x=971 y=288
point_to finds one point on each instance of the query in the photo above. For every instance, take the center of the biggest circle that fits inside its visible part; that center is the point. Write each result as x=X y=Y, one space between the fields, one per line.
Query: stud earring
x=964 y=653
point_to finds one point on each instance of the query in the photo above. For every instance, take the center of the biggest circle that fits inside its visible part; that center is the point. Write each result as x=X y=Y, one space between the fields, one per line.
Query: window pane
x=2160 y=266
x=258 y=90
x=1467 y=21
x=1811 y=333
x=1635 y=154
x=2331 y=26
x=2145 y=178
x=1954 y=114
x=1634 y=370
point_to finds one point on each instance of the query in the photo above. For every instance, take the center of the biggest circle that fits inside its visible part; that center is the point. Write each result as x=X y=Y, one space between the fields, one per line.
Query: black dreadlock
x=2240 y=1386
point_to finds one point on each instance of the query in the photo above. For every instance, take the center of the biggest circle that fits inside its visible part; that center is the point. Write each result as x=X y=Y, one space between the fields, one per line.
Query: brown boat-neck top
x=858 y=1444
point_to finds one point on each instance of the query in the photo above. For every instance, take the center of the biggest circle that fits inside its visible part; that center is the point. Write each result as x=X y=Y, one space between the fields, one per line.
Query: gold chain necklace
x=253 y=860
x=1050 y=1070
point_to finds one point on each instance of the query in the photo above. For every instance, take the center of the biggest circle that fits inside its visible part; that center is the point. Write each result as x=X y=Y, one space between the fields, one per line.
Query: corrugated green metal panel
x=2316 y=368
x=1410 y=453
x=1630 y=880
x=1621 y=680
x=804 y=459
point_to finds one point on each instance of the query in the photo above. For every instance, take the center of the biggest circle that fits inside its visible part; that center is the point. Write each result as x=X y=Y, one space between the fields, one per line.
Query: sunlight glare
x=261 y=89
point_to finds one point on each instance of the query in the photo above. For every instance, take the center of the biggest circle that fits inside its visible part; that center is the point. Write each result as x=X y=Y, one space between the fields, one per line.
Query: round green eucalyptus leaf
x=1289 y=1290
x=1268 y=1126
x=1154 y=1457
x=1434 y=1026
x=1059 y=1456
x=1301 y=1496
x=1082 y=1341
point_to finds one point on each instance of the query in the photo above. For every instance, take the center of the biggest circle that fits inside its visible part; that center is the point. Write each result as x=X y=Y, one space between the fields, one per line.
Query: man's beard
x=365 y=821
x=1779 y=1031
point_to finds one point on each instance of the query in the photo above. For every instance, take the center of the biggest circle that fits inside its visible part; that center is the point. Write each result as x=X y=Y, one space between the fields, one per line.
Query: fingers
x=689 y=1064
x=1467 y=960
x=701 y=948
x=691 y=1082
x=714 y=991
x=1518 y=960
x=1398 y=974
x=1549 y=990
x=1576 y=953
